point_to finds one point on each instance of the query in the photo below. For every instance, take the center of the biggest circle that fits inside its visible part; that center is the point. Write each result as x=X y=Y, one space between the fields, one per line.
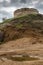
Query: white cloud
x=35 y=2
x=1 y=0
x=6 y=12
x=8 y=0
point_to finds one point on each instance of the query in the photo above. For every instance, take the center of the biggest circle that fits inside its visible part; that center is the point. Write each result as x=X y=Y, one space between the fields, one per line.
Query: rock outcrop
x=25 y=11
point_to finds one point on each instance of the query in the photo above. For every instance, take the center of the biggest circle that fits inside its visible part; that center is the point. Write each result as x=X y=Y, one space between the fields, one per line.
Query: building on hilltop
x=25 y=11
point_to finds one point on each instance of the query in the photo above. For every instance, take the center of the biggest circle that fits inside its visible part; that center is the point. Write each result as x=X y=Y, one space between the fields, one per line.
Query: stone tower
x=25 y=11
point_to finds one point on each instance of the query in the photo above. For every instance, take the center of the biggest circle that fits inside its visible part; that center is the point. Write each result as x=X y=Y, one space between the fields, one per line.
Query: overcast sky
x=7 y=7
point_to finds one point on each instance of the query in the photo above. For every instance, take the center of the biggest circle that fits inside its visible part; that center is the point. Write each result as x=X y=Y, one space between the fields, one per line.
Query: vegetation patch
x=23 y=58
x=19 y=26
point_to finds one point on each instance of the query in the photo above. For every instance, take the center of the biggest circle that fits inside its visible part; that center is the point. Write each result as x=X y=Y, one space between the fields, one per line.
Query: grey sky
x=8 y=6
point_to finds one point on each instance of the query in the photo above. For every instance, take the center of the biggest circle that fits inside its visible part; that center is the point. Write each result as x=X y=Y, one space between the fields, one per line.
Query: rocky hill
x=25 y=26
x=21 y=40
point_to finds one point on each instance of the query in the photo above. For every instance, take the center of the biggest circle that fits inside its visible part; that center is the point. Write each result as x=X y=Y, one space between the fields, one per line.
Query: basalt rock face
x=25 y=11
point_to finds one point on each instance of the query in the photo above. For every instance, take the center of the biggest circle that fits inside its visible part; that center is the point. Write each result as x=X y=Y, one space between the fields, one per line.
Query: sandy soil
x=31 y=46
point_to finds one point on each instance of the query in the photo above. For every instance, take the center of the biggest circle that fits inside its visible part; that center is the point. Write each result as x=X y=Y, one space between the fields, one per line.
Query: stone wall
x=25 y=11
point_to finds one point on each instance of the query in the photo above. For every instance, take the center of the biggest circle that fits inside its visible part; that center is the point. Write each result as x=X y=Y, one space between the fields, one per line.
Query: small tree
x=4 y=18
